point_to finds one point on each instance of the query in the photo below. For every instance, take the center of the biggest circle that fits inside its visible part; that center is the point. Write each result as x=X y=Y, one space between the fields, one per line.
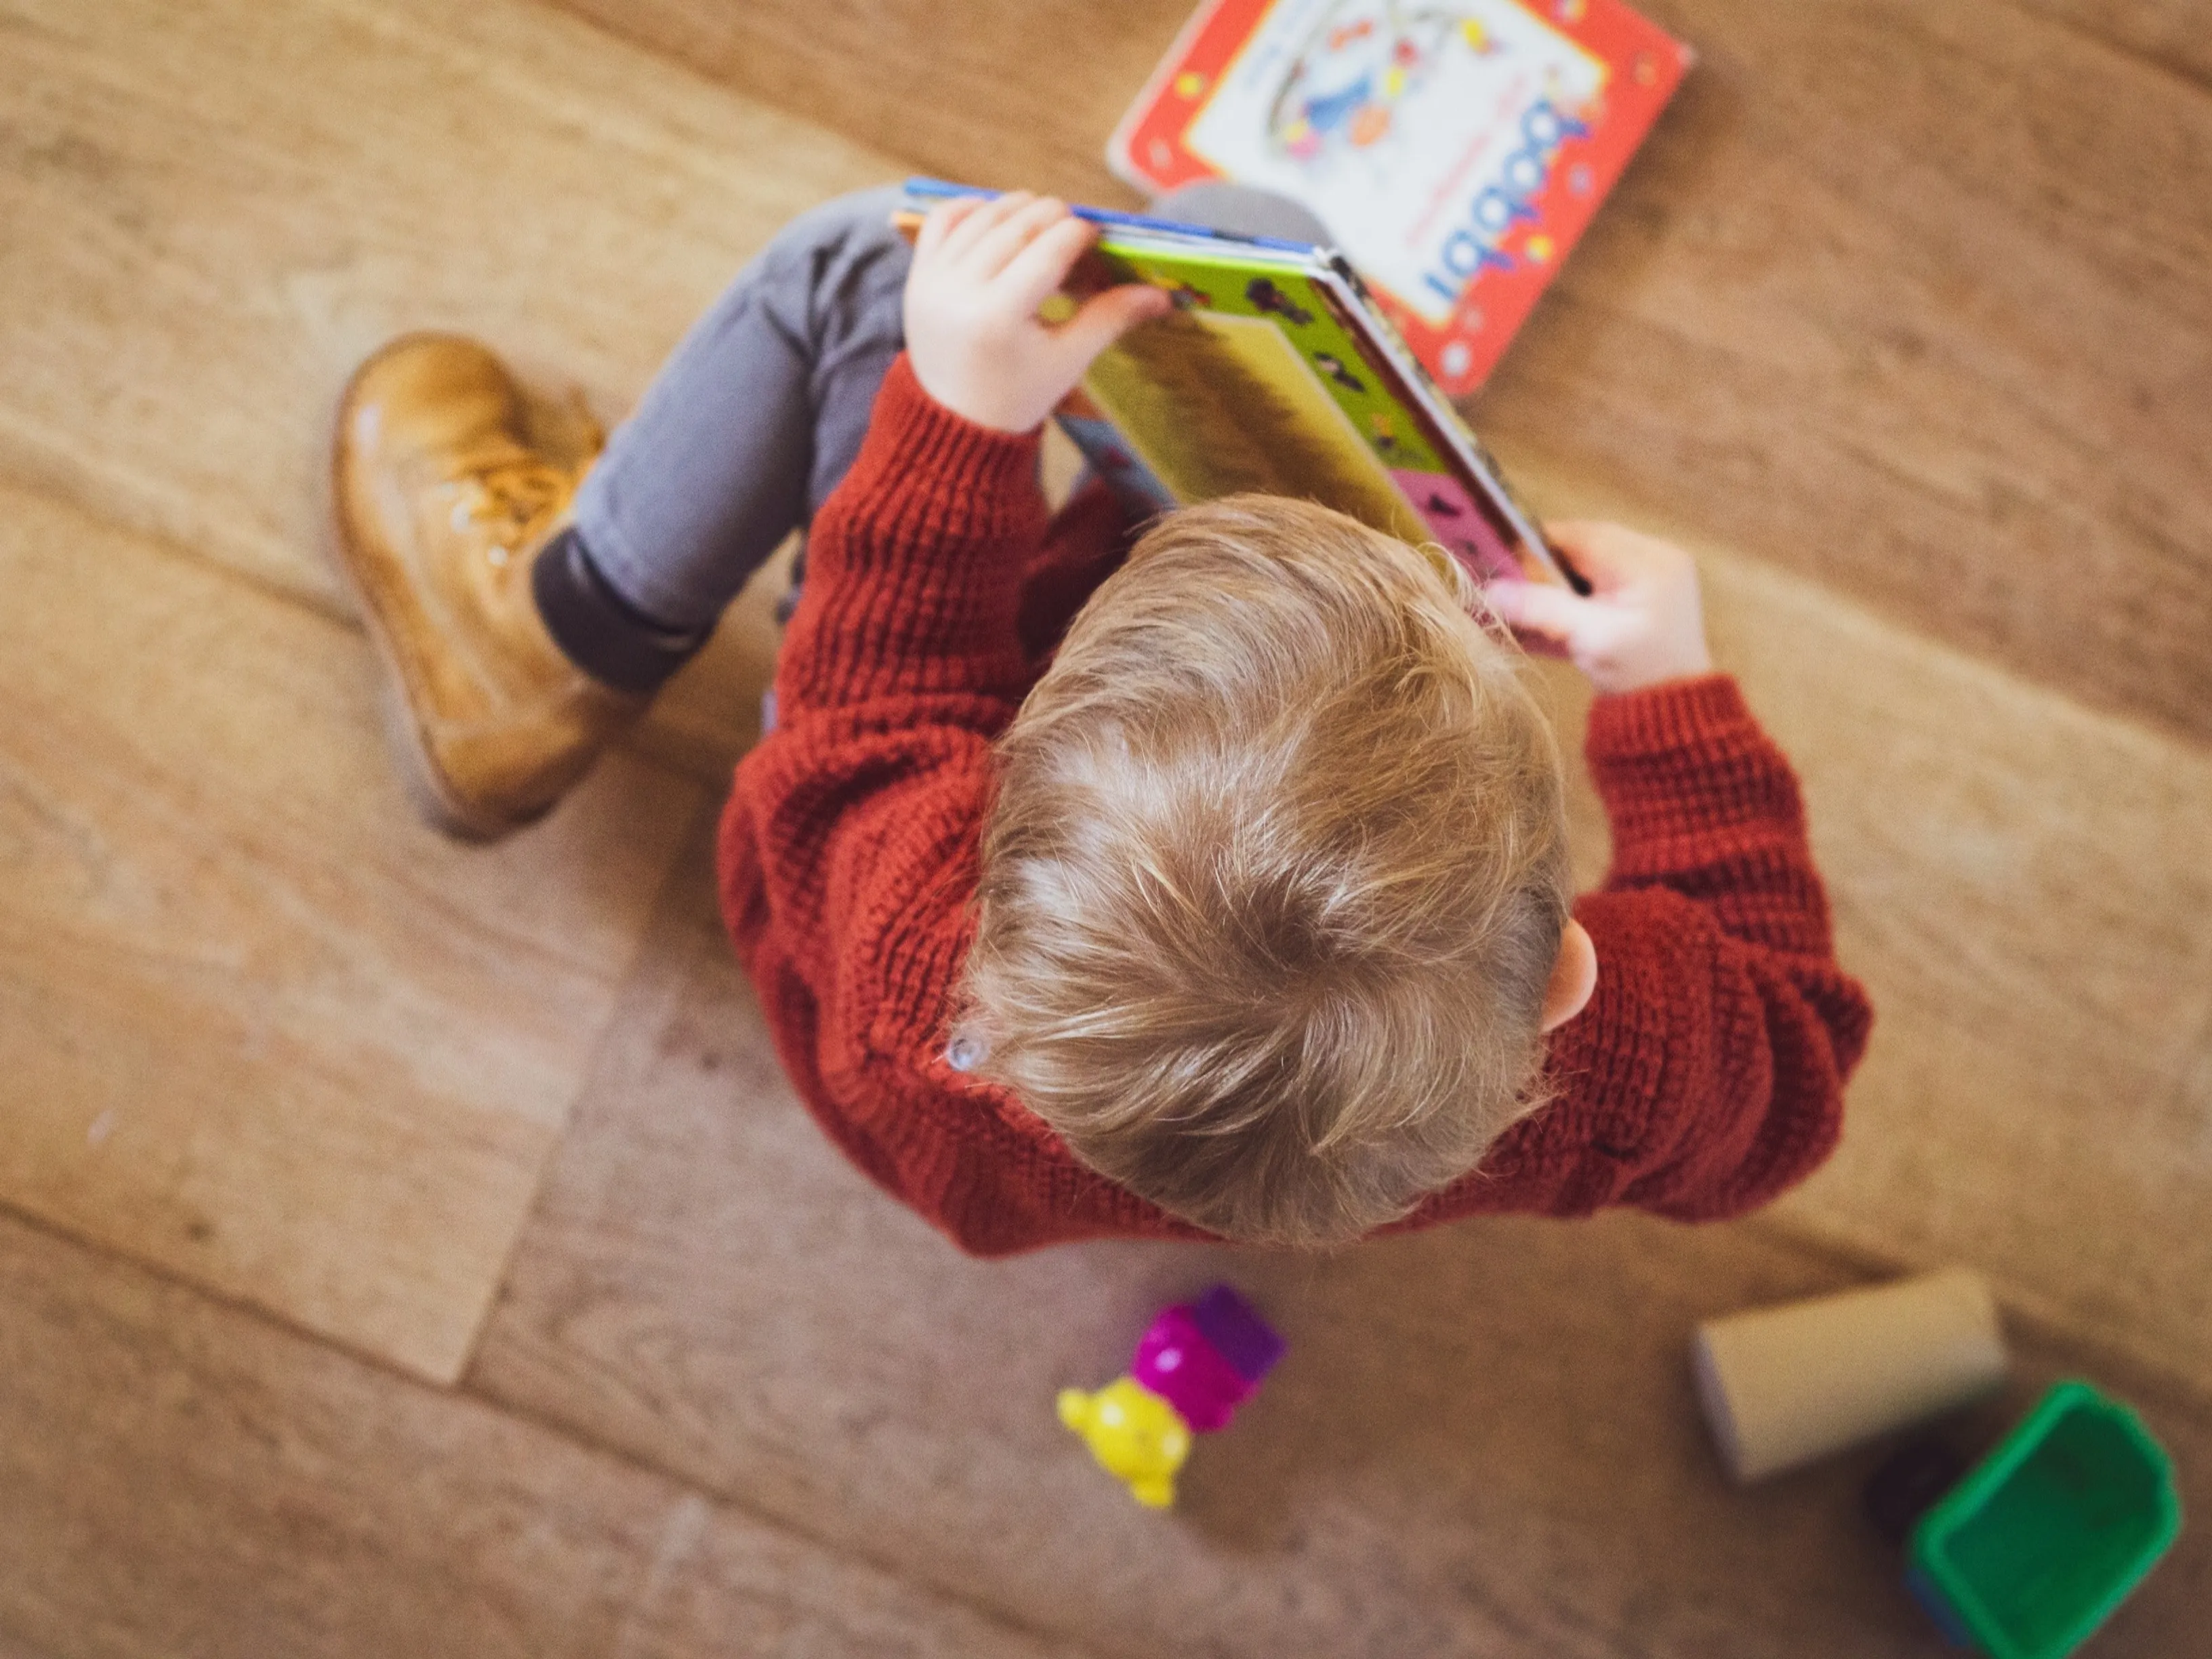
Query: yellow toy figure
x=1136 y=1436
x=1194 y=1366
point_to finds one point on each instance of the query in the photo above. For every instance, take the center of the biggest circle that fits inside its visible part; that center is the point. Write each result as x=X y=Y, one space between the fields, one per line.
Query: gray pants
x=761 y=411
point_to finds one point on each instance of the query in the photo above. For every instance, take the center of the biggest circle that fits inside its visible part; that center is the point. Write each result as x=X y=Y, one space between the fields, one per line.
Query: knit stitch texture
x=1704 y=1077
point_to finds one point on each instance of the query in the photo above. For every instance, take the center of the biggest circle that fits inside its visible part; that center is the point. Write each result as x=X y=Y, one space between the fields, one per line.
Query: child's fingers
x=1614 y=557
x=989 y=213
x=940 y=222
x=1537 y=607
x=1105 y=318
x=1577 y=530
x=993 y=250
x=1595 y=550
x=1506 y=597
x=1040 y=268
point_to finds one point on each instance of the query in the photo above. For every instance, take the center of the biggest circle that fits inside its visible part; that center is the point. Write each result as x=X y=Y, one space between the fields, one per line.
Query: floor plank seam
x=176 y=1279
x=960 y=1595
x=327 y=608
x=680 y=1486
x=2047 y=1328
x=42 y=485
x=715 y=85
x=623 y=985
x=765 y=97
x=2191 y=77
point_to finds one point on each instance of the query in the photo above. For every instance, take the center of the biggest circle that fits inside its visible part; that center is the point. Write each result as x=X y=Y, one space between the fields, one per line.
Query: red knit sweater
x=1704 y=1077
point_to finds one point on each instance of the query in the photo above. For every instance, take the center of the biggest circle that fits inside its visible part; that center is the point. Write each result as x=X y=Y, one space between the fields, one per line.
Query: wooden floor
x=411 y=1249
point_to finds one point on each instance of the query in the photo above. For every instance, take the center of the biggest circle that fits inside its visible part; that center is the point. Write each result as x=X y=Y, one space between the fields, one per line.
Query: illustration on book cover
x=1455 y=148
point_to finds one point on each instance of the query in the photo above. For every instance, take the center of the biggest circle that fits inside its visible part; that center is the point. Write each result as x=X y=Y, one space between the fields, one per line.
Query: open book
x=1277 y=372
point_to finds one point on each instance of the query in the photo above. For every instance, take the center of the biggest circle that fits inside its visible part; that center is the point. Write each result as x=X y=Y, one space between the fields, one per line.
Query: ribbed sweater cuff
x=934 y=478
x=1685 y=756
x=914 y=565
x=1674 y=714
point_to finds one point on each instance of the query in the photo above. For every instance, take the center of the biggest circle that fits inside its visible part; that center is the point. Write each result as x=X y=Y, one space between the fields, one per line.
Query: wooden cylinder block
x=1783 y=1386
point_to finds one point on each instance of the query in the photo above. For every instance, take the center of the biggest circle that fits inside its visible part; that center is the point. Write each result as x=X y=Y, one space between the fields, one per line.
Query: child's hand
x=981 y=268
x=1643 y=622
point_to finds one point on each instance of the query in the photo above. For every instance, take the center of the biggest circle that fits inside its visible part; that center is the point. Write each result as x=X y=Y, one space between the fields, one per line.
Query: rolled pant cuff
x=596 y=629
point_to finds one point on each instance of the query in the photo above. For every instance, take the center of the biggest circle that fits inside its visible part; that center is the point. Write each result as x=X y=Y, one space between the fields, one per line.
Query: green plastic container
x=2047 y=1534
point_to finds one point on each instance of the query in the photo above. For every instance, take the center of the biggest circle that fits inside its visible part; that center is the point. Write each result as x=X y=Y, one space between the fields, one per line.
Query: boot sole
x=424 y=783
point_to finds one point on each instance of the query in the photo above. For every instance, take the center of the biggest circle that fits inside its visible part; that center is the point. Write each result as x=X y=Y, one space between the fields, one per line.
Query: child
x=1247 y=916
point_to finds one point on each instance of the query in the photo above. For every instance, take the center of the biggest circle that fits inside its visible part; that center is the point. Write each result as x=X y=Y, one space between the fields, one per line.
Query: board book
x=1455 y=148
x=1277 y=373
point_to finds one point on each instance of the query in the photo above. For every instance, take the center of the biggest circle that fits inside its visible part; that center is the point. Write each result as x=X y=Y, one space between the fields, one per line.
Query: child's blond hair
x=1275 y=878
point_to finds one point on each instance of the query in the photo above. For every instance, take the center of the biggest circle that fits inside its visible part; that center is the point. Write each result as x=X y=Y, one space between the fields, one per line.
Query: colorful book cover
x=1276 y=373
x=1260 y=381
x=1455 y=148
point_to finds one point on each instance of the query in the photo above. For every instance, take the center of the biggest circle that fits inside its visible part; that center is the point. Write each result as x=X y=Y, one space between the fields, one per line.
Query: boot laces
x=510 y=493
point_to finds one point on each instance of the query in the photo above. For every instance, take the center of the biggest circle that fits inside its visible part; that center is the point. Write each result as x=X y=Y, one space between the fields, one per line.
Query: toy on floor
x=2045 y=1537
x=1783 y=1386
x=2020 y=1554
x=1195 y=1365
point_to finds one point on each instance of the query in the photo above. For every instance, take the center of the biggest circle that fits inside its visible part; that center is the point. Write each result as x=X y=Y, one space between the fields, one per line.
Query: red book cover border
x=1645 y=63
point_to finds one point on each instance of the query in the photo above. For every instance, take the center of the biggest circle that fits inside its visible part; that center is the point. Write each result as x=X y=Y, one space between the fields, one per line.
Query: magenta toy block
x=1195 y=1365
x=1206 y=1358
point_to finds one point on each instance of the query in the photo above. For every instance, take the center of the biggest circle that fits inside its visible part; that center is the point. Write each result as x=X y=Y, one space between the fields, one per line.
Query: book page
x=1216 y=404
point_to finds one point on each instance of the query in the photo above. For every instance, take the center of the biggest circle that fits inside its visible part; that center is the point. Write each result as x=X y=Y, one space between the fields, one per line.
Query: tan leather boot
x=442 y=504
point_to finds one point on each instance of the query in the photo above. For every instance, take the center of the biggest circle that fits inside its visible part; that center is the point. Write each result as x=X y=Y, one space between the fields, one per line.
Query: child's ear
x=1574 y=976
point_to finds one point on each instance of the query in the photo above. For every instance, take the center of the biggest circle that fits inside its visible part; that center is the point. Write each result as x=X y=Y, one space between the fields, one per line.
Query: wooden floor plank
x=207 y=236
x=261 y=1026
x=1905 y=302
x=184 y=1480
x=1907 y=297
x=743 y=1587
x=942 y=89
x=1483 y=1441
x=215 y=212
x=2167 y=33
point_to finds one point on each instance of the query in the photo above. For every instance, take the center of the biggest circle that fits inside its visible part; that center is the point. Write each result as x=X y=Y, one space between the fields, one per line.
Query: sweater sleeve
x=915 y=564
x=848 y=846
x=1722 y=1013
